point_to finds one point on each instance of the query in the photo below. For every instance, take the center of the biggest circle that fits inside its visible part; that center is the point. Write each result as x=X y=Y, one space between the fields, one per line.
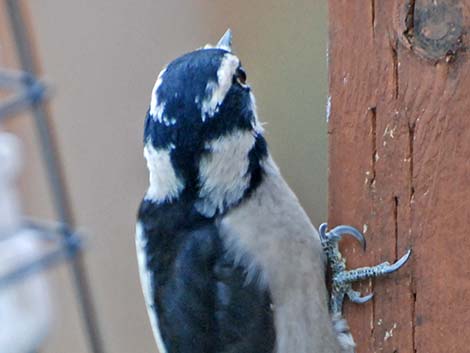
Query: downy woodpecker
x=229 y=261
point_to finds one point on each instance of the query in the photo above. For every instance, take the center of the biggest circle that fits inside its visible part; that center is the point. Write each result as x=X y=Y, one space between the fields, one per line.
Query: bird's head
x=202 y=131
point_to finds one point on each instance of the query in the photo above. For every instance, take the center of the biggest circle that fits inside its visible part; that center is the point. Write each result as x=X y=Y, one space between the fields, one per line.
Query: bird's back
x=198 y=298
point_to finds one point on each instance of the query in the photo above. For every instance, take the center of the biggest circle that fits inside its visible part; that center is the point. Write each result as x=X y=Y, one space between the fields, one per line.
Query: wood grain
x=399 y=166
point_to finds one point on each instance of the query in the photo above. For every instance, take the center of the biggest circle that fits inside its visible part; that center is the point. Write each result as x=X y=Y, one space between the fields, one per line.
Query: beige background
x=103 y=58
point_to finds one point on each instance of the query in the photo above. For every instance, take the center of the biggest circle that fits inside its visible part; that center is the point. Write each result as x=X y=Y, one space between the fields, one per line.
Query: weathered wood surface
x=400 y=166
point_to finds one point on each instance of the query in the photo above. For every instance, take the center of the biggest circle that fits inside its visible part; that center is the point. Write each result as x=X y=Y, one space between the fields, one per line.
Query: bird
x=229 y=261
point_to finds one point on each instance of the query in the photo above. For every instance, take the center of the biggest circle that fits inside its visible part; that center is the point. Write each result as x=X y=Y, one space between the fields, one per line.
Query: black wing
x=202 y=300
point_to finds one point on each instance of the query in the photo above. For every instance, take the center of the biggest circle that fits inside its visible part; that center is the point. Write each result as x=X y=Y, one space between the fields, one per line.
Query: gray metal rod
x=64 y=252
x=30 y=96
x=56 y=181
x=14 y=78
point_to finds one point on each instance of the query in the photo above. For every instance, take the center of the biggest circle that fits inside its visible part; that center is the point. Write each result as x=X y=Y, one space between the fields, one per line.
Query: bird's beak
x=226 y=41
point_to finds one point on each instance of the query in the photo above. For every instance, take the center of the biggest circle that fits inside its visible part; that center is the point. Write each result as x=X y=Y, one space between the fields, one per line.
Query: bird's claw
x=356 y=297
x=342 y=279
x=333 y=236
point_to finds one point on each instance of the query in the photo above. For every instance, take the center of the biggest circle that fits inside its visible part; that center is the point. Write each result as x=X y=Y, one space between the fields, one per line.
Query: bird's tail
x=343 y=334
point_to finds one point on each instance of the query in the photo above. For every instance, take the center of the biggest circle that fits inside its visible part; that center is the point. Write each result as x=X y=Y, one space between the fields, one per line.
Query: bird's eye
x=240 y=75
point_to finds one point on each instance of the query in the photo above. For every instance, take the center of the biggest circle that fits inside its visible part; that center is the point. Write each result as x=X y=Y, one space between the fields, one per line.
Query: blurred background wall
x=103 y=57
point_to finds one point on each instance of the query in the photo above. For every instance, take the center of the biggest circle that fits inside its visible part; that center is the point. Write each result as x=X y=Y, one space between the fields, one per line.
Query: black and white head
x=203 y=141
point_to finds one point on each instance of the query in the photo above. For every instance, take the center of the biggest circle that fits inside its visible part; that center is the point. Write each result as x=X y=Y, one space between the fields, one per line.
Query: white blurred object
x=25 y=306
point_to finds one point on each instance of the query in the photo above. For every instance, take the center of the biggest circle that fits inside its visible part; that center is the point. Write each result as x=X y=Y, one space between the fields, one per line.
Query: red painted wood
x=400 y=166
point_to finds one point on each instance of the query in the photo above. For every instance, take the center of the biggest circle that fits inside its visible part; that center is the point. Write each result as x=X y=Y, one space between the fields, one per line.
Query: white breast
x=273 y=232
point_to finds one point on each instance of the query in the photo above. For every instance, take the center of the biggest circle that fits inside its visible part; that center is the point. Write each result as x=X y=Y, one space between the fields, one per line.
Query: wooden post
x=399 y=128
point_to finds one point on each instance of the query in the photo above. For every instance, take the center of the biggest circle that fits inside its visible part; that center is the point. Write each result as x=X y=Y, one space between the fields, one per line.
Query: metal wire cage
x=64 y=243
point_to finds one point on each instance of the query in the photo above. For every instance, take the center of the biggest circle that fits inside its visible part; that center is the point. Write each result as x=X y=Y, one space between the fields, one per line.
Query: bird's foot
x=341 y=278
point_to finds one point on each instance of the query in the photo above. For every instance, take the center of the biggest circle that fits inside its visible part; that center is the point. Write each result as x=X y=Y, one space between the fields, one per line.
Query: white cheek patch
x=157 y=108
x=145 y=280
x=164 y=184
x=216 y=91
x=223 y=172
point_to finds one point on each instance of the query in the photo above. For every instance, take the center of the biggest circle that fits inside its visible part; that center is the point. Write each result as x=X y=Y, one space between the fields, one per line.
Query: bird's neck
x=228 y=170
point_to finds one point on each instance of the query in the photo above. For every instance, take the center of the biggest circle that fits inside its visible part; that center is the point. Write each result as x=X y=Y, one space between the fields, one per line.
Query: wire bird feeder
x=30 y=93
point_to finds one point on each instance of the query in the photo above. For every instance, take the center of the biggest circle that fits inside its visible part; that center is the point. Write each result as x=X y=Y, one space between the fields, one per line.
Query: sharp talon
x=366 y=298
x=340 y=230
x=342 y=279
x=355 y=297
x=322 y=230
x=397 y=265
